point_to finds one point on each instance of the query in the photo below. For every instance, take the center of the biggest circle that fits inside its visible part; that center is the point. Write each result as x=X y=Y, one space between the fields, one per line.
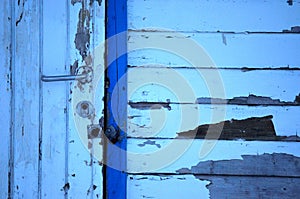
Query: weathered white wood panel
x=160 y=122
x=5 y=99
x=85 y=155
x=238 y=36
x=26 y=61
x=220 y=15
x=97 y=50
x=55 y=99
x=213 y=187
x=36 y=144
x=186 y=85
x=172 y=155
x=226 y=50
x=152 y=186
x=79 y=167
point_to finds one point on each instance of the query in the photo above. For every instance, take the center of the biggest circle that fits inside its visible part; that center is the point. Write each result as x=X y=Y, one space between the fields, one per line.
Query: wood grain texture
x=186 y=186
x=79 y=158
x=173 y=156
x=252 y=187
x=255 y=55
x=5 y=99
x=115 y=100
x=186 y=85
x=160 y=186
x=226 y=50
x=211 y=15
x=54 y=138
x=98 y=38
x=86 y=32
x=26 y=61
x=160 y=122
x=275 y=164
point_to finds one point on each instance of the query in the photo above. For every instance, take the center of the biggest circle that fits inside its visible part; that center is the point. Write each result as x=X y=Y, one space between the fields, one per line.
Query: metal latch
x=84 y=75
x=112 y=134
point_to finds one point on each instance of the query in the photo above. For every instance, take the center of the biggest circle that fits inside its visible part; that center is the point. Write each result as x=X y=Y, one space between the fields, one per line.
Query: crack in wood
x=248 y=69
x=150 y=105
x=91 y=189
x=133 y=116
x=243 y=69
x=285 y=31
x=22 y=12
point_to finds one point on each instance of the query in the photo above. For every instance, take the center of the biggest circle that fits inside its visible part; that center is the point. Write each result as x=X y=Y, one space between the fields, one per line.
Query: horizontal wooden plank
x=213 y=157
x=221 y=15
x=160 y=122
x=160 y=186
x=152 y=186
x=249 y=187
x=171 y=49
x=285 y=164
x=186 y=85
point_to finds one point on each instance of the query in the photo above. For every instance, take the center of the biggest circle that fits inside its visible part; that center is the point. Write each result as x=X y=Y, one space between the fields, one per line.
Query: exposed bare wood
x=254 y=128
x=251 y=100
x=255 y=158
x=149 y=105
x=272 y=165
x=214 y=187
x=160 y=123
x=252 y=187
x=254 y=96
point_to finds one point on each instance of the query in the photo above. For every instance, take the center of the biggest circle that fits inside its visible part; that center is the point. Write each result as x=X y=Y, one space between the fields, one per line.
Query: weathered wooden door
x=50 y=145
x=230 y=68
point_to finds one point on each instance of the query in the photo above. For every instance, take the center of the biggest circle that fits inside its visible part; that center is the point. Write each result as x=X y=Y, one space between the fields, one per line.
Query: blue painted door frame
x=116 y=104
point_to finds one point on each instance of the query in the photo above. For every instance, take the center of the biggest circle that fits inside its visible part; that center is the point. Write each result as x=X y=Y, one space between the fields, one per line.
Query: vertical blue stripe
x=115 y=169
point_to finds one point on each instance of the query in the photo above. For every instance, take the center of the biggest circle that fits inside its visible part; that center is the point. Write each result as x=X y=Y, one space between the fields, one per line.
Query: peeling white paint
x=162 y=187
